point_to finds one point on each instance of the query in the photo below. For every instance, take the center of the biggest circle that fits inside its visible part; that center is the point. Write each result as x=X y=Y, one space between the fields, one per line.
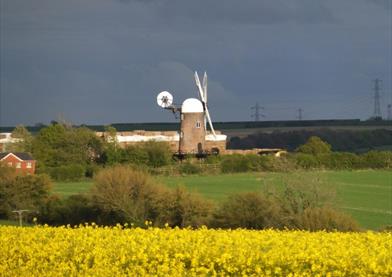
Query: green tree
x=23 y=140
x=112 y=153
x=22 y=191
x=58 y=145
x=159 y=153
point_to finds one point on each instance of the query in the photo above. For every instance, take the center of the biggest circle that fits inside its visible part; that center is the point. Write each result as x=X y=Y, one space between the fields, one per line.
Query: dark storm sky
x=104 y=61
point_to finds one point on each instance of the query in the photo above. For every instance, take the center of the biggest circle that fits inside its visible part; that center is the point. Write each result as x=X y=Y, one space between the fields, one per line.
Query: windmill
x=194 y=116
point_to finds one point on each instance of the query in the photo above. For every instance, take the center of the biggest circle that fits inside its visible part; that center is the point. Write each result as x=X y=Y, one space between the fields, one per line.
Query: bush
x=189 y=168
x=183 y=209
x=74 y=210
x=133 y=197
x=213 y=159
x=339 y=161
x=306 y=161
x=250 y=210
x=277 y=164
x=377 y=159
x=72 y=172
x=326 y=218
x=128 y=192
x=240 y=163
x=158 y=153
x=92 y=170
x=135 y=155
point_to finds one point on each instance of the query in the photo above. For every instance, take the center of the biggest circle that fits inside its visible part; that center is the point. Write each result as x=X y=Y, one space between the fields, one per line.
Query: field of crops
x=97 y=251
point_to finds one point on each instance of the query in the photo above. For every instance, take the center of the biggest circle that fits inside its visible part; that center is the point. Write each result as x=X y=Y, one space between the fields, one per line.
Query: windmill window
x=198 y=125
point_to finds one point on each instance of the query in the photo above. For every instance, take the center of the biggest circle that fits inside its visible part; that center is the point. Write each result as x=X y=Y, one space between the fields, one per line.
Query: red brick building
x=22 y=162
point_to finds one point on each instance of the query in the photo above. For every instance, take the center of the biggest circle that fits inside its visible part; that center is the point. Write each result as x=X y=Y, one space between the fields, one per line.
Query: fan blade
x=205 y=86
x=210 y=122
x=201 y=93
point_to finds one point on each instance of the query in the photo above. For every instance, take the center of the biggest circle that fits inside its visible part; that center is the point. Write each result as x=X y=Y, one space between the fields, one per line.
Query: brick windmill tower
x=194 y=115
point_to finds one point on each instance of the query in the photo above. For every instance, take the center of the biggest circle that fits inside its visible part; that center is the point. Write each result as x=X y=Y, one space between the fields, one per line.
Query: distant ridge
x=172 y=126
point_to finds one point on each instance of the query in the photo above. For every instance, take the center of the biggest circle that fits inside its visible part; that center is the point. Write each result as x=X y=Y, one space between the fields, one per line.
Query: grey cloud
x=243 y=12
x=387 y=4
x=248 y=11
x=99 y=61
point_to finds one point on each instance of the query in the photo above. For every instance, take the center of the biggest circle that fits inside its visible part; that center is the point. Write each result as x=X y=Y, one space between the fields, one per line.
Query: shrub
x=240 y=163
x=183 y=209
x=213 y=159
x=74 y=210
x=135 y=155
x=250 y=210
x=339 y=160
x=279 y=164
x=158 y=153
x=189 y=168
x=128 y=192
x=92 y=170
x=132 y=196
x=306 y=161
x=377 y=159
x=326 y=218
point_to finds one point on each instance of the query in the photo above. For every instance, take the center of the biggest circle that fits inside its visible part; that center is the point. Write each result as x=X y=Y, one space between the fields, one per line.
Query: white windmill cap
x=192 y=105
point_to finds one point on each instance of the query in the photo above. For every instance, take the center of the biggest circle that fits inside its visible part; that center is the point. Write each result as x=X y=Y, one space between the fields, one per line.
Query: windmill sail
x=205 y=86
x=203 y=98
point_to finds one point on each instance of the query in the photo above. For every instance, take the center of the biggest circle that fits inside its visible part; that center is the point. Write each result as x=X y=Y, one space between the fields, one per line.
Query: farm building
x=212 y=143
x=6 y=138
x=22 y=162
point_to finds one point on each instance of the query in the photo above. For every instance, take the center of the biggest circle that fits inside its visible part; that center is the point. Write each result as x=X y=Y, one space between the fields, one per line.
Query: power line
x=300 y=110
x=377 y=109
x=389 y=107
x=257 y=112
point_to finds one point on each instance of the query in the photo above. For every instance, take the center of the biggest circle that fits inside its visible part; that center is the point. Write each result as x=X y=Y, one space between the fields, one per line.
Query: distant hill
x=233 y=125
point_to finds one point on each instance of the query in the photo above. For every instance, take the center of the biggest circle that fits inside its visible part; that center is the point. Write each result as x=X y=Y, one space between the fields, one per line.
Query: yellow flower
x=90 y=250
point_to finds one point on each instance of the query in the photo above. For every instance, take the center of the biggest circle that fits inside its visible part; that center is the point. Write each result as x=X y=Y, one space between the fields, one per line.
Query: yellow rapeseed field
x=117 y=251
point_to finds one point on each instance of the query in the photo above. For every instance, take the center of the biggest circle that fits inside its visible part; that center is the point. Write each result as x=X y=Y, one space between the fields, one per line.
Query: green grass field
x=66 y=189
x=366 y=195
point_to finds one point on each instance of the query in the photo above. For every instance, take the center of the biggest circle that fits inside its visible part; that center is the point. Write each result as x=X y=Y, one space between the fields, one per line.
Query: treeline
x=67 y=153
x=340 y=140
x=314 y=154
x=122 y=194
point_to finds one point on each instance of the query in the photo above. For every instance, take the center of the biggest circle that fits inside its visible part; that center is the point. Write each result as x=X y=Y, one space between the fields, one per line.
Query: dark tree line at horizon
x=341 y=140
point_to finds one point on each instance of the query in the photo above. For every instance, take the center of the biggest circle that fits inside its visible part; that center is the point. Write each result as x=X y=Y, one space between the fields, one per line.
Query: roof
x=192 y=105
x=21 y=155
